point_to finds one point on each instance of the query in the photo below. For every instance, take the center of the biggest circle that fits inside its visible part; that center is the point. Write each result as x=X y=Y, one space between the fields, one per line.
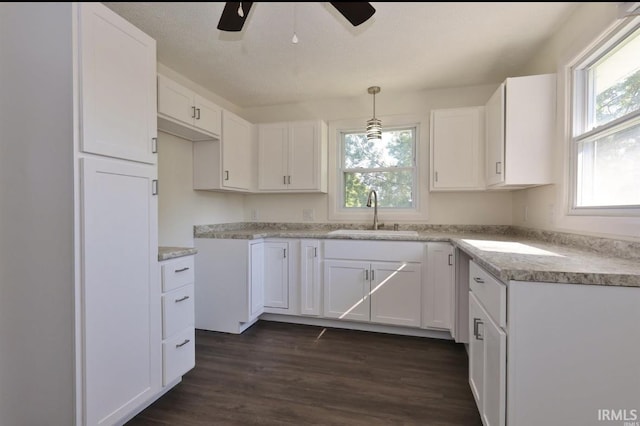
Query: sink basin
x=371 y=232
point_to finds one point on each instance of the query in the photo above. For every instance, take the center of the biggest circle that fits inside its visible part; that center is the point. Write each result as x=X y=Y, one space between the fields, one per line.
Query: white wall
x=179 y=206
x=547 y=206
x=36 y=215
x=444 y=208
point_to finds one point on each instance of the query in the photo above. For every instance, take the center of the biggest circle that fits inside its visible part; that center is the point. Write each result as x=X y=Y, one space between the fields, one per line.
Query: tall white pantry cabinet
x=80 y=329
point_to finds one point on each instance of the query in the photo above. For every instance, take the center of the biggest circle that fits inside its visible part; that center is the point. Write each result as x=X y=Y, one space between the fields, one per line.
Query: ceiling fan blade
x=230 y=20
x=355 y=12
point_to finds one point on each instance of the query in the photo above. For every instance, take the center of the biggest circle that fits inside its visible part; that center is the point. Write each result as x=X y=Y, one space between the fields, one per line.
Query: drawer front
x=177 y=310
x=391 y=251
x=176 y=273
x=491 y=293
x=178 y=355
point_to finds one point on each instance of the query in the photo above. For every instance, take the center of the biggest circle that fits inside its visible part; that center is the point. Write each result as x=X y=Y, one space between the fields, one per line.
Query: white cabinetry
x=310 y=284
x=457 y=149
x=117 y=76
x=562 y=362
x=359 y=287
x=439 y=287
x=276 y=275
x=292 y=157
x=186 y=114
x=520 y=127
x=178 y=333
x=229 y=284
x=80 y=284
x=225 y=164
x=487 y=345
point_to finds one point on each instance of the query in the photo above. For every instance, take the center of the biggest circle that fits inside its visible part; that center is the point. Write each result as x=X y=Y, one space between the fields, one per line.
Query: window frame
x=414 y=171
x=581 y=92
x=336 y=213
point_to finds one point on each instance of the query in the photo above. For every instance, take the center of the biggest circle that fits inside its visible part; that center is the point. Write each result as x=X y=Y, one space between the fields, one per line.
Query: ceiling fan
x=235 y=13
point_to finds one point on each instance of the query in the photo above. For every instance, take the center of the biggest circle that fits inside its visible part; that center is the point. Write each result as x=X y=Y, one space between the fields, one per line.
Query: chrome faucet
x=375 y=207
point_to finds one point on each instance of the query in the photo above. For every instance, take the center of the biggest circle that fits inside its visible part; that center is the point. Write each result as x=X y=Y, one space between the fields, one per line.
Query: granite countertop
x=509 y=253
x=166 y=253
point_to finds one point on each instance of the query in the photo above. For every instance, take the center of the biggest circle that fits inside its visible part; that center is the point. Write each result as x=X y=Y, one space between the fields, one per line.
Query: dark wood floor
x=283 y=374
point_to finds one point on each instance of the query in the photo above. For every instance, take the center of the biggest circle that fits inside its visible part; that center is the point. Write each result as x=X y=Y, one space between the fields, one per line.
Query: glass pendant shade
x=374 y=125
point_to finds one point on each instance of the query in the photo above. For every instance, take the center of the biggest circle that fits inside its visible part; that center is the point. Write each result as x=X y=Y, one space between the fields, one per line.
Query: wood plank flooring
x=283 y=374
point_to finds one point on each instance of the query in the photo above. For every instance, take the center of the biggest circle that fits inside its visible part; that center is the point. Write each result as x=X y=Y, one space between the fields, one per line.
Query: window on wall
x=606 y=127
x=387 y=166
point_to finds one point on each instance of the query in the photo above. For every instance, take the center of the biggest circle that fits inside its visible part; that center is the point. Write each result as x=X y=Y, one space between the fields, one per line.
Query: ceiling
x=406 y=46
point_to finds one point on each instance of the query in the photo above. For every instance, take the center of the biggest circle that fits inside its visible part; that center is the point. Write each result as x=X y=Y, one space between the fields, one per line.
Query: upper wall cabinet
x=520 y=125
x=292 y=157
x=117 y=62
x=186 y=114
x=457 y=149
x=225 y=164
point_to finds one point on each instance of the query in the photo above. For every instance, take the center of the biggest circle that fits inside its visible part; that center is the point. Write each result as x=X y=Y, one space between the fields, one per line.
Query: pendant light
x=374 y=126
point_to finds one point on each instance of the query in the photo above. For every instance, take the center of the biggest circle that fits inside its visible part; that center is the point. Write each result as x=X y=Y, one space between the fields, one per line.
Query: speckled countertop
x=166 y=253
x=509 y=253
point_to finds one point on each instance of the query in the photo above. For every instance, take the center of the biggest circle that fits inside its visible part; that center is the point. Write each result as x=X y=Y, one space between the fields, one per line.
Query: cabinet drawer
x=491 y=293
x=392 y=251
x=178 y=355
x=177 y=273
x=177 y=310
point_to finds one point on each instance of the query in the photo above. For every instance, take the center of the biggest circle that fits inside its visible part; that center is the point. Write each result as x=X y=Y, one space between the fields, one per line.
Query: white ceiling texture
x=405 y=46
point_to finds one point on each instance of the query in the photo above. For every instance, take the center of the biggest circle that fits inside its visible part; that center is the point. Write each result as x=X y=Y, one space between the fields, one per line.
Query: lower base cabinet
x=178 y=332
x=568 y=354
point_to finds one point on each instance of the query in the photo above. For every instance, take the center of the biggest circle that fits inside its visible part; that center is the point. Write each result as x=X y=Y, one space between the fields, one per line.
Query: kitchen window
x=387 y=166
x=605 y=146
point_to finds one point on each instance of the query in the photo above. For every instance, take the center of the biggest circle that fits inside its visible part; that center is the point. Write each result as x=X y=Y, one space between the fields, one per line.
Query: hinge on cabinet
x=154 y=187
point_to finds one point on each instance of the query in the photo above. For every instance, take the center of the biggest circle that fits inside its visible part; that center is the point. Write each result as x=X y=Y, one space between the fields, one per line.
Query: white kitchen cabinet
x=292 y=157
x=85 y=317
x=439 y=287
x=117 y=76
x=488 y=345
x=457 y=149
x=276 y=275
x=520 y=127
x=184 y=113
x=310 y=284
x=178 y=332
x=229 y=284
x=120 y=303
x=225 y=164
x=359 y=286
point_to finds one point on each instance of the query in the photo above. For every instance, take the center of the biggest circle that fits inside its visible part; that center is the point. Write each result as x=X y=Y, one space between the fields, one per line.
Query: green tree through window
x=387 y=166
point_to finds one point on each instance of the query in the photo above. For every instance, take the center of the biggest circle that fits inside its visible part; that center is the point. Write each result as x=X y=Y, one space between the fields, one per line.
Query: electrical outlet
x=254 y=214
x=308 y=215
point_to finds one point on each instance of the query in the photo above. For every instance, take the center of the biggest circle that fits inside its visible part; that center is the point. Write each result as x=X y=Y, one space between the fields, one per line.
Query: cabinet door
x=236 y=152
x=476 y=350
x=346 y=290
x=175 y=101
x=120 y=289
x=276 y=275
x=272 y=156
x=304 y=153
x=396 y=290
x=495 y=373
x=208 y=116
x=439 y=287
x=494 y=119
x=118 y=84
x=457 y=149
x=310 y=277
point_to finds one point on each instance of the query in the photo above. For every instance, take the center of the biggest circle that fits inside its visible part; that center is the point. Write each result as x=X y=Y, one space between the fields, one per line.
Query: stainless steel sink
x=371 y=232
